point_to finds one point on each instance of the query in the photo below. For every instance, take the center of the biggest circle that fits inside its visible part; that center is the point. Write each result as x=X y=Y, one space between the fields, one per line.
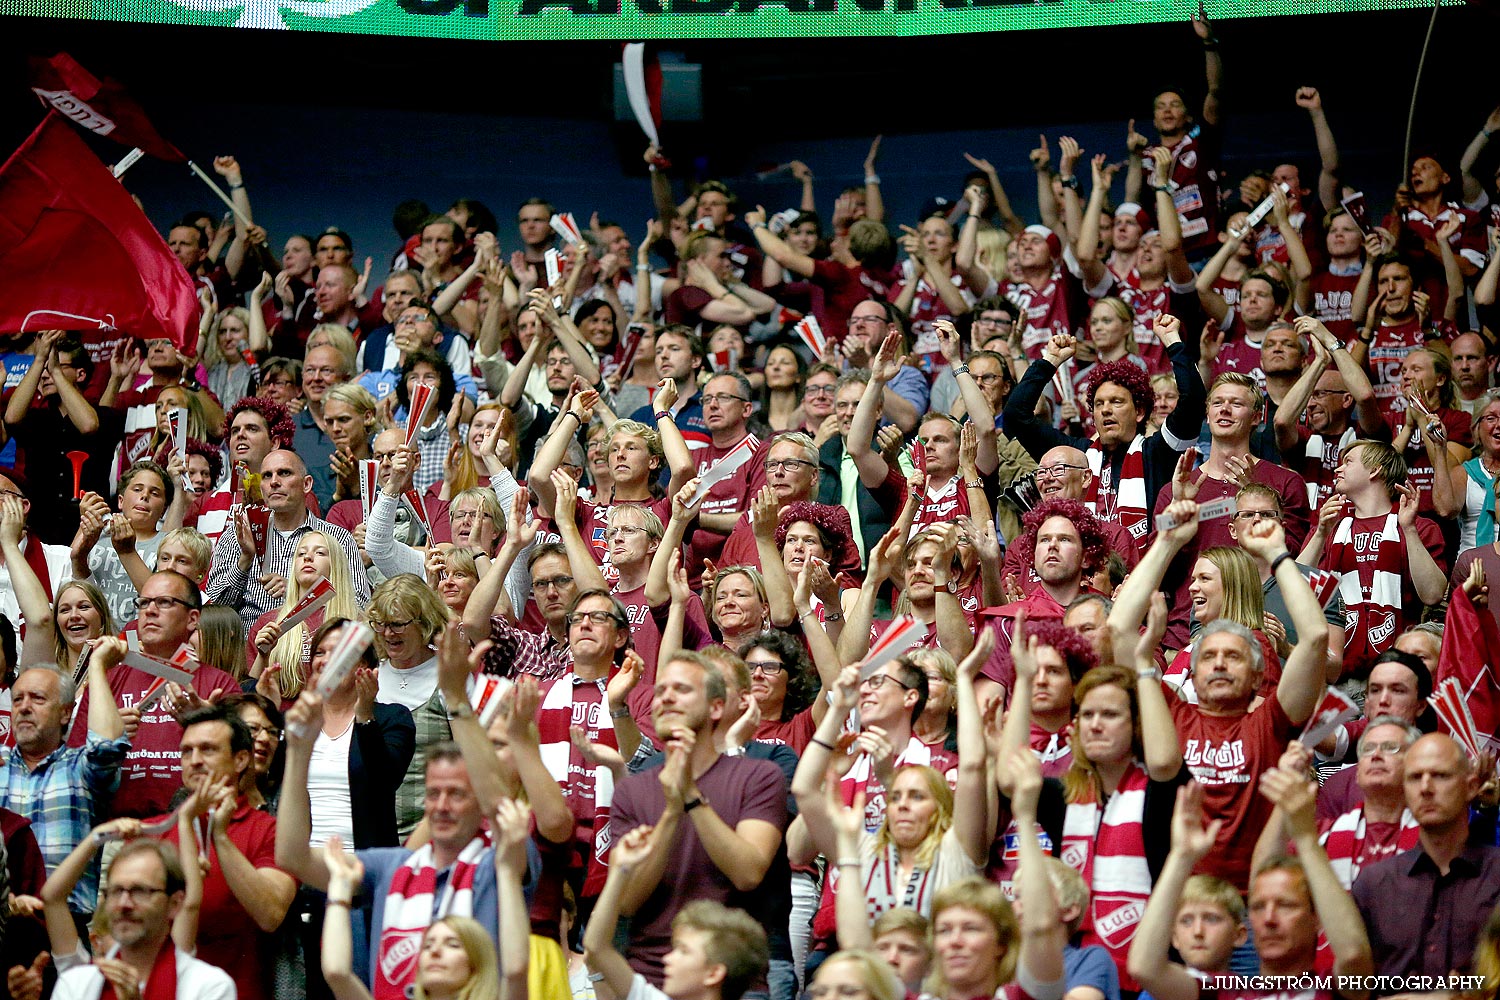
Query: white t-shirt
x=412 y=688
x=328 y=788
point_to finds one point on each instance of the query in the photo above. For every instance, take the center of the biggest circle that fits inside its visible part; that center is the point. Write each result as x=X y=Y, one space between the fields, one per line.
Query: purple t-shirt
x=737 y=789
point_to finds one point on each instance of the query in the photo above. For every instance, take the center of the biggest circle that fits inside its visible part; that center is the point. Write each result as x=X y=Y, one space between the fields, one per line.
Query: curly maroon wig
x=209 y=454
x=1090 y=532
x=1076 y=651
x=1129 y=377
x=277 y=419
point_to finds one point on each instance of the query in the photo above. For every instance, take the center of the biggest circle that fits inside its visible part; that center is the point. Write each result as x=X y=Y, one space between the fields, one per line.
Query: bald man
x=1063 y=474
x=1425 y=908
x=1473 y=371
x=256 y=584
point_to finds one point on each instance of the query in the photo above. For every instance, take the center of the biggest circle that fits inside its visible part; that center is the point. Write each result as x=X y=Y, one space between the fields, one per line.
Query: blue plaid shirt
x=64 y=798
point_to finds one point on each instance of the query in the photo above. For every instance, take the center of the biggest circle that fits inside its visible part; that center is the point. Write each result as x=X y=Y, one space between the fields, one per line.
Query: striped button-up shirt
x=242 y=589
x=62 y=798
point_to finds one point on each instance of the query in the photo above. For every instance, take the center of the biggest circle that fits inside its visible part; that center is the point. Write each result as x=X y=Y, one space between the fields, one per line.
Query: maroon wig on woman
x=1090 y=532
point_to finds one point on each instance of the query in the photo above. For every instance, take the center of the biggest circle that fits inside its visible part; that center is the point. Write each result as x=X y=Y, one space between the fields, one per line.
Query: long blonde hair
x=212 y=354
x=484 y=966
x=470 y=474
x=1244 y=598
x=288 y=651
x=942 y=795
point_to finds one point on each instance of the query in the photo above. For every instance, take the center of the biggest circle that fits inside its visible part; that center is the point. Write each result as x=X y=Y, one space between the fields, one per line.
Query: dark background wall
x=336 y=129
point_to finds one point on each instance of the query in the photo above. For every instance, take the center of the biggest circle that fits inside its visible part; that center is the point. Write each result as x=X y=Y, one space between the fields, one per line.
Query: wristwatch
x=463 y=710
x=701 y=800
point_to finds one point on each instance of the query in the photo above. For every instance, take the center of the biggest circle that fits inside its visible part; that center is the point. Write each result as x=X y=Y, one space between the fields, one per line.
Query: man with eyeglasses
x=1426 y=909
x=167 y=613
x=323 y=368
x=491 y=612
x=904 y=393
x=245 y=896
x=234 y=580
x=727 y=404
x=594 y=696
x=1260 y=503
x=792 y=471
x=143 y=892
x=1328 y=408
x=1381 y=826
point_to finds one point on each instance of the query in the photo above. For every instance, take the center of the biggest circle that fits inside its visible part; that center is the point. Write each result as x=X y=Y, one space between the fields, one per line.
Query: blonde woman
x=466 y=466
x=230 y=376
x=1226 y=585
x=352 y=417
x=281 y=662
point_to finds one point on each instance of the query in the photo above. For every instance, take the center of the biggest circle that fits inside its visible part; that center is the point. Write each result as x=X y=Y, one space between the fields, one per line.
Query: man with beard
x=245 y=896
x=143 y=894
x=718 y=819
x=1129 y=467
x=1339 y=404
x=1063 y=474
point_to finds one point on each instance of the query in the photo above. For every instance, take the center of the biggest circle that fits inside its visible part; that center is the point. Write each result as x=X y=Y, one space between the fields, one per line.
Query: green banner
x=507 y=20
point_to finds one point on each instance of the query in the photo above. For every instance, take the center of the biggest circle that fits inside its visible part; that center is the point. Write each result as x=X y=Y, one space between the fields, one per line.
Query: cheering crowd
x=1069 y=609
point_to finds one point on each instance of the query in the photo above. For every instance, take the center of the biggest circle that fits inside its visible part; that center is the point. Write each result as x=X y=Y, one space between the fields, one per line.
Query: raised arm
x=1337 y=912
x=104 y=713
x=1214 y=303
x=1302 y=684
x=515 y=384
x=21 y=398
x=775 y=247
x=976 y=404
x=1158 y=733
x=1473 y=186
x=346 y=874
x=587 y=573
x=874 y=203
x=567 y=335
x=36 y=610
x=1134 y=597
x=1148 y=963
x=954 y=633
x=1289 y=413
x=814 y=810
x=1328 y=149
x=1086 y=246
x=972 y=817
x=1213 y=66
x=511 y=828
x=1046 y=201
x=1426 y=576
x=763 y=520
x=872 y=466
x=628 y=857
x=1043 y=935
x=294 y=810
x=579 y=413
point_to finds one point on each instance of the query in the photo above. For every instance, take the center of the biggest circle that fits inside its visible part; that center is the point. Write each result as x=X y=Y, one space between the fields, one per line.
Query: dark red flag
x=101 y=106
x=1471 y=655
x=73 y=243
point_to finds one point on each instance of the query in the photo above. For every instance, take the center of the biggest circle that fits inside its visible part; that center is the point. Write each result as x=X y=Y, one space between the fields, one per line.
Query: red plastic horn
x=78 y=458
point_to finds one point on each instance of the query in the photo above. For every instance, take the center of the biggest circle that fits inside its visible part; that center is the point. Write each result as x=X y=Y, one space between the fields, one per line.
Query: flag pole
x=220 y=192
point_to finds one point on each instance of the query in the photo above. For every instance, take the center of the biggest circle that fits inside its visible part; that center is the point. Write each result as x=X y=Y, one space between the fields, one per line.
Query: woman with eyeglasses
x=281 y=659
x=281 y=380
x=265 y=722
x=408 y=616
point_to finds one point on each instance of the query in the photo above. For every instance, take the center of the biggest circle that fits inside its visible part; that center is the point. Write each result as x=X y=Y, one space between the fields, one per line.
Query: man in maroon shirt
x=1227 y=744
x=727 y=404
x=168 y=609
x=845 y=285
x=1195 y=149
x=245 y=896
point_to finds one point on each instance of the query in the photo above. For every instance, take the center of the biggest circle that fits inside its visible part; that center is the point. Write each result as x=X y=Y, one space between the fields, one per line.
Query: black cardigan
x=1159 y=453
